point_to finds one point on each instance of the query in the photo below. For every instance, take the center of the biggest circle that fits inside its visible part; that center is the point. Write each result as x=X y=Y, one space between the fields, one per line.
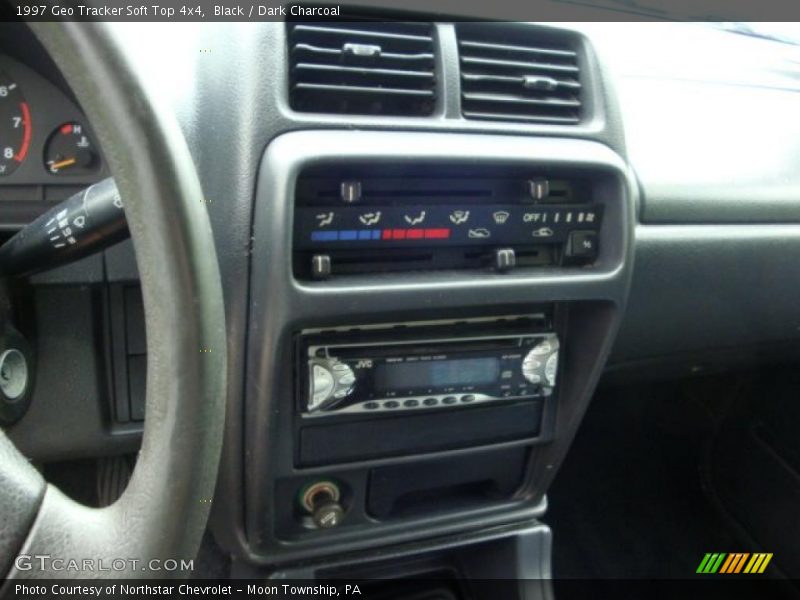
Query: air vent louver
x=367 y=68
x=513 y=74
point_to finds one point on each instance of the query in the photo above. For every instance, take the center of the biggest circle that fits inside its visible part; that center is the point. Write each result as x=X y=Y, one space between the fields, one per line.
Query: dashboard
x=578 y=213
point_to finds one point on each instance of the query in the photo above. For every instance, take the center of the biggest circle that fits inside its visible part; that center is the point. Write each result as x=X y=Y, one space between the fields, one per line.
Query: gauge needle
x=62 y=163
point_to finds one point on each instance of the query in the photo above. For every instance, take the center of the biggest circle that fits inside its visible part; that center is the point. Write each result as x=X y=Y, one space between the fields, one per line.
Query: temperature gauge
x=70 y=151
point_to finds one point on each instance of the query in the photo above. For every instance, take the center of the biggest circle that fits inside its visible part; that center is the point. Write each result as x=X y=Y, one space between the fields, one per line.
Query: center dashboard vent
x=362 y=68
x=519 y=74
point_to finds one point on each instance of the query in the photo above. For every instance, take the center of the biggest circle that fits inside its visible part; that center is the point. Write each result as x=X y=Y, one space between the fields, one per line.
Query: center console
x=429 y=316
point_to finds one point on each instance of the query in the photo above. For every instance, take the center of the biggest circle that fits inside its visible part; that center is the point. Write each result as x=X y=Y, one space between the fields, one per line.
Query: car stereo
x=426 y=373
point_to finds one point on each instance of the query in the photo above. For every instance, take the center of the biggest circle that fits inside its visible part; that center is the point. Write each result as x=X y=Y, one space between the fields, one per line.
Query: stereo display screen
x=436 y=373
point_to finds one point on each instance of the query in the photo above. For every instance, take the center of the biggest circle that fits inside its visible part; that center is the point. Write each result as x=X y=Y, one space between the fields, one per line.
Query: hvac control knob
x=321 y=501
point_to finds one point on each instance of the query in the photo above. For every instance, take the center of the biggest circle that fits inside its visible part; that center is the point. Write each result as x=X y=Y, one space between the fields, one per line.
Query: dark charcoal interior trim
x=595 y=297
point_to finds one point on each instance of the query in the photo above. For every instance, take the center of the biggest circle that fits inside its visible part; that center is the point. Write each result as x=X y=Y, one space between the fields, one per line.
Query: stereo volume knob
x=322 y=386
x=331 y=380
x=532 y=369
x=345 y=378
x=540 y=364
x=550 y=369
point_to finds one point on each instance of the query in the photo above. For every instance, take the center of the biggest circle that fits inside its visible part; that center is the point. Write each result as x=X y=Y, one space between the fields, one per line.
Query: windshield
x=788 y=33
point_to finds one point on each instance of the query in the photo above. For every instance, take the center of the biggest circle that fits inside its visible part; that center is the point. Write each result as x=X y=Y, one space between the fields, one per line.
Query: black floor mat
x=628 y=502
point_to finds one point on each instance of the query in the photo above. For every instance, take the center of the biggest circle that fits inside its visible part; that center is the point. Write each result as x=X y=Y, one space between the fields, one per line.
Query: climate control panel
x=438 y=226
x=389 y=218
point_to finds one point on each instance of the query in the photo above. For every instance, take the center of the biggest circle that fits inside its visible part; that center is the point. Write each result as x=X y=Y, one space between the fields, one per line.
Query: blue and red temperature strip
x=352 y=235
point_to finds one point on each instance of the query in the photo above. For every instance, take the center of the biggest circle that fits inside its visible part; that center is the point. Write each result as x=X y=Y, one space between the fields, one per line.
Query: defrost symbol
x=501 y=216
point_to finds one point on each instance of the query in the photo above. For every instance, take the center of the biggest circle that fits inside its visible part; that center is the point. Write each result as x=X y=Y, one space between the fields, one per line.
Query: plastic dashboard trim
x=276 y=316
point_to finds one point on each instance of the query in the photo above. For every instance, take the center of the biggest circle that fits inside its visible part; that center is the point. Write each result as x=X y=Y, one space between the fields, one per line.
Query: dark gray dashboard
x=707 y=121
x=713 y=144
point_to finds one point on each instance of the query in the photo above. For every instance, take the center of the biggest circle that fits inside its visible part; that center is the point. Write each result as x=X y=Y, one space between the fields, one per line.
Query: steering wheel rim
x=163 y=512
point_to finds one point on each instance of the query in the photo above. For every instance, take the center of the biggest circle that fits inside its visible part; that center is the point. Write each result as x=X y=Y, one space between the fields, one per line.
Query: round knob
x=345 y=379
x=532 y=368
x=327 y=512
x=540 y=364
x=550 y=369
x=322 y=386
x=321 y=501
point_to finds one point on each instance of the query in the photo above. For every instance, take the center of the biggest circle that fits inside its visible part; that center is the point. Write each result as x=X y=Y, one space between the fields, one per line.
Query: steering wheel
x=162 y=514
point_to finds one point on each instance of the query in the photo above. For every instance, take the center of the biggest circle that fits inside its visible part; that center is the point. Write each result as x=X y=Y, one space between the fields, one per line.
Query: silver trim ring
x=13 y=374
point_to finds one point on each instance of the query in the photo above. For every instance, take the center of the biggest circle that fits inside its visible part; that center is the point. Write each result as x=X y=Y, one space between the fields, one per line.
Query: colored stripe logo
x=734 y=562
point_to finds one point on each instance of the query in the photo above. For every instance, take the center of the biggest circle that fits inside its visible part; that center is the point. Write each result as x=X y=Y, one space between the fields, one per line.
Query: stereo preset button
x=411 y=403
x=391 y=404
x=430 y=402
x=371 y=405
x=467 y=398
x=449 y=400
x=340 y=367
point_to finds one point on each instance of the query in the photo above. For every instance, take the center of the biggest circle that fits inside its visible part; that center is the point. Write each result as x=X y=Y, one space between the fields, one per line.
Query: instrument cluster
x=47 y=147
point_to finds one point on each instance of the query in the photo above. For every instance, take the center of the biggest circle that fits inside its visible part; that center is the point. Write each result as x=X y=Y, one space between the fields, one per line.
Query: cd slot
x=424 y=347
